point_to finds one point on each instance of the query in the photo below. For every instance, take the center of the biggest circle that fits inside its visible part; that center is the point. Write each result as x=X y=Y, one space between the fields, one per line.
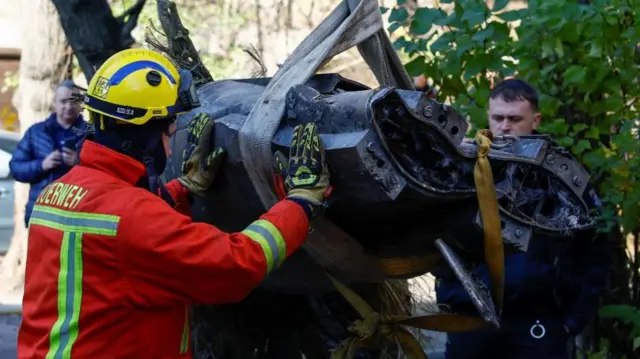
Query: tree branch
x=93 y=32
x=179 y=46
x=128 y=21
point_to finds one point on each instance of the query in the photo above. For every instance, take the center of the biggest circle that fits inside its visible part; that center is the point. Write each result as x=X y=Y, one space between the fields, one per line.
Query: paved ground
x=8 y=335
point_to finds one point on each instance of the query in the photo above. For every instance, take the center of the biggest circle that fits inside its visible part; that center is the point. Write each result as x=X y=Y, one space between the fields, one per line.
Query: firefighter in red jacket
x=111 y=266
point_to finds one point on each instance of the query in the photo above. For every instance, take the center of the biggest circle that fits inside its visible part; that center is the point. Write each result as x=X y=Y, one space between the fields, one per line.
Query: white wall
x=11 y=33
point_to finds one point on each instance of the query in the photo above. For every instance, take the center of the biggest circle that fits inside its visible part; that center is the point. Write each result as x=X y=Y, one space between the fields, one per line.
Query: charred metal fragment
x=480 y=295
x=546 y=197
x=399 y=167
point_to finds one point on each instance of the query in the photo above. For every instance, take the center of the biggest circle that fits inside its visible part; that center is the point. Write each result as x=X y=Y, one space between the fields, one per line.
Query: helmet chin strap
x=149 y=152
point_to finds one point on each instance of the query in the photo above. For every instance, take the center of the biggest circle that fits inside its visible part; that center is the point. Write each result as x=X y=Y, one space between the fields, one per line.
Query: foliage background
x=584 y=59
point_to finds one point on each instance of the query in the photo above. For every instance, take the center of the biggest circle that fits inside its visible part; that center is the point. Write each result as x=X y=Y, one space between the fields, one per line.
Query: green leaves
x=618 y=312
x=399 y=14
x=581 y=59
x=579 y=127
x=557 y=127
x=570 y=32
x=475 y=13
x=423 y=20
x=500 y=33
x=595 y=49
x=593 y=133
x=581 y=146
x=481 y=36
x=625 y=313
x=480 y=96
x=512 y=15
x=499 y=5
x=443 y=42
x=463 y=44
x=416 y=66
x=565 y=141
x=475 y=65
x=575 y=74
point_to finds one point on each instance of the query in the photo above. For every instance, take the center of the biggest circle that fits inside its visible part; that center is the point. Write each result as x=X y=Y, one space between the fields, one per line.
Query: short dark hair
x=67 y=84
x=516 y=90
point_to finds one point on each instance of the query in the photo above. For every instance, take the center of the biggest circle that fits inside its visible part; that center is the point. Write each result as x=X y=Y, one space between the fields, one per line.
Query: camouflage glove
x=305 y=173
x=199 y=163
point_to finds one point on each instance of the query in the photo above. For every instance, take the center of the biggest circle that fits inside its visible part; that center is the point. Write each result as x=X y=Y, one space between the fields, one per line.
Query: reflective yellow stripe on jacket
x=73 y=225
x=269 y=238
x=78 y=222
x=184 y=342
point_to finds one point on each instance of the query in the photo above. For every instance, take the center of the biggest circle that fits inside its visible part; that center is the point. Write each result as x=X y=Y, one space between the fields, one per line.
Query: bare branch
x=179 y=46
x=128 y=21
x=251 y=51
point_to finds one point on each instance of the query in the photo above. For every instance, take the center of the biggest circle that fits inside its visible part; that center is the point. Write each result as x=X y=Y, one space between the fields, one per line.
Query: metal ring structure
x=542 y=328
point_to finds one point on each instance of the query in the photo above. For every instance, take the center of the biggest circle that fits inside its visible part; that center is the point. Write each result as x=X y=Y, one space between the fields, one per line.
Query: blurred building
x=9 y=64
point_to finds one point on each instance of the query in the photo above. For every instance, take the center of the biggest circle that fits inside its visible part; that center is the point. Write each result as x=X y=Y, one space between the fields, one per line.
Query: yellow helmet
x=139 y=85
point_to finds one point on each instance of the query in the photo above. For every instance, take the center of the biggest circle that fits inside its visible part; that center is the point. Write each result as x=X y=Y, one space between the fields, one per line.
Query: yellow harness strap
x=488 y=203
x=90 y=121
x=375 y=327
x=408 y=266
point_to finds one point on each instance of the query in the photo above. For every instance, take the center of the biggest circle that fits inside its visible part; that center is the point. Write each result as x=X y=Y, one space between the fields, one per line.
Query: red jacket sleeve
x=167 y=258
x=179 y=193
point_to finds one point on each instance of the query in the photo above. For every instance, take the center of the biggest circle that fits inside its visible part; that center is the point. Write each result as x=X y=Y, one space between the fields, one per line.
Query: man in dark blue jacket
x=551 y=291
x=48 y=149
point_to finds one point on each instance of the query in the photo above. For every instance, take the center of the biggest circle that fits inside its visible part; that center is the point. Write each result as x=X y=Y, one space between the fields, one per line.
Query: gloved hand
x=305 y=173
x=199 y=164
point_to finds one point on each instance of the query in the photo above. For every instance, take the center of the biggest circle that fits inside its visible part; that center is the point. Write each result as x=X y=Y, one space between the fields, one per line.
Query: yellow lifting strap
x=409 y=266
x=488 y=203
x=375 y=326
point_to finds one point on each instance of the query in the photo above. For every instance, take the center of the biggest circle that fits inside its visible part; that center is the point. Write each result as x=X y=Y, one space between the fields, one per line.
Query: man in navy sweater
x=551 y=291
x=48 y=149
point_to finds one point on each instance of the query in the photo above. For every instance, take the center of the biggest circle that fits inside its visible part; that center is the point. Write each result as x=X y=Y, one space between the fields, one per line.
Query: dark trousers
x=514 y=340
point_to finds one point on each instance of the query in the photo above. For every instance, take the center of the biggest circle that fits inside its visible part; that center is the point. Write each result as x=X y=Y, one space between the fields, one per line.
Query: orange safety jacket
x=111 y=268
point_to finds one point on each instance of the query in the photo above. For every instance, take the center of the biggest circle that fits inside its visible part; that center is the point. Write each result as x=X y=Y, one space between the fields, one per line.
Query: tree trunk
x=45 y=62
x=94 y=33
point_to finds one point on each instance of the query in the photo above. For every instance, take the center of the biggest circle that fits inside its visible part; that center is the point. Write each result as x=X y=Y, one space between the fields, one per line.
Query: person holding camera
x=48 y=149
